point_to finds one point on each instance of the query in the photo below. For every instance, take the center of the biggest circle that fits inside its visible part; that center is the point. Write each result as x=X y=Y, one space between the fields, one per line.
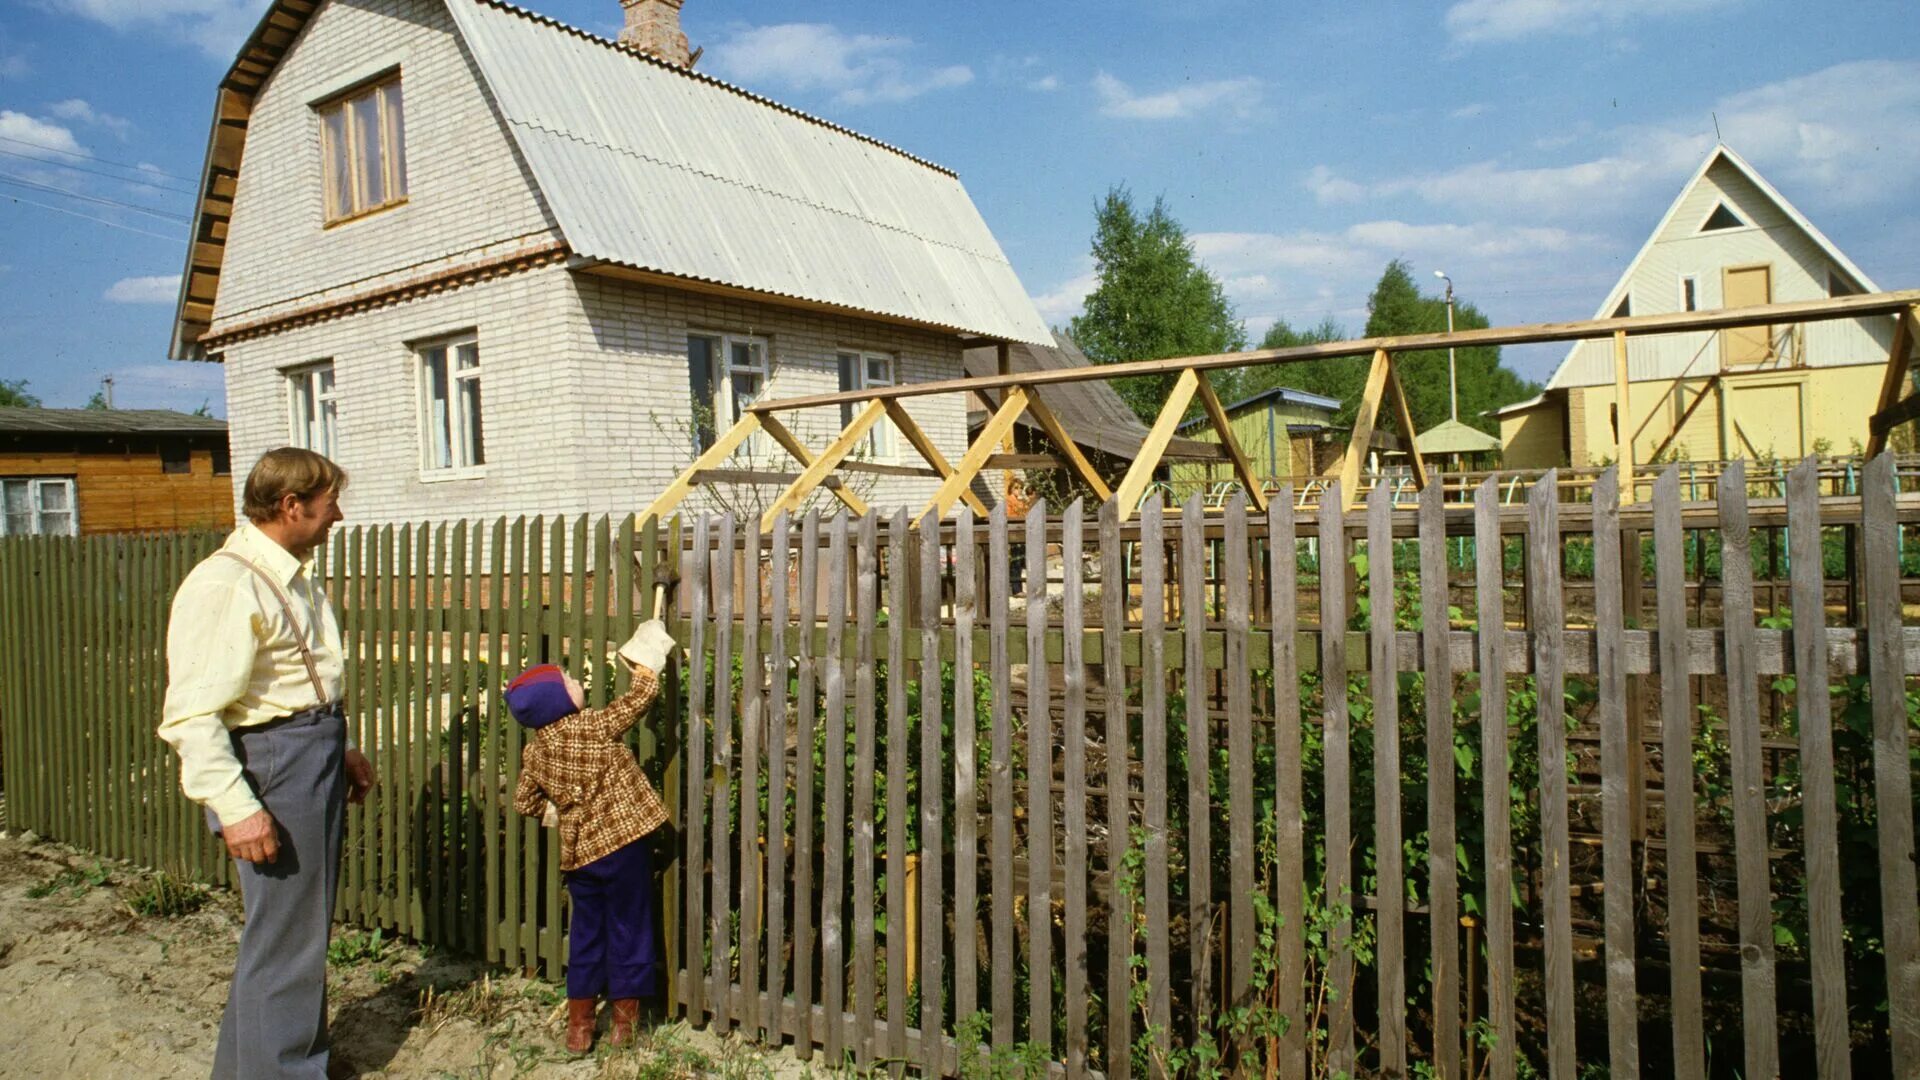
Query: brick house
x=497 y=265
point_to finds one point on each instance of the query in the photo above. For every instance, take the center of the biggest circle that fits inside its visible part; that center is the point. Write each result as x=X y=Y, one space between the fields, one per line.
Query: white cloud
x=1240 y=96
x=1063 y=303
x=155 y=289
x=857 y=69
x=80 y=111
x=217 y=27
x=1468 y=112
x=42 y=138
x=1839 y=131
x=1045 y=84
x=1511 y=20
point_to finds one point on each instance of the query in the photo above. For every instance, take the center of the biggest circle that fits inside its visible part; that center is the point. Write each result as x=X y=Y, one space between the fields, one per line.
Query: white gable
x=1803 y=265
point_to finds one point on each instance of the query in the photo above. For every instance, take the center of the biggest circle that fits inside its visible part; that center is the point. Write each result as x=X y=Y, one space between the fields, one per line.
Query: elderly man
x=253 y=710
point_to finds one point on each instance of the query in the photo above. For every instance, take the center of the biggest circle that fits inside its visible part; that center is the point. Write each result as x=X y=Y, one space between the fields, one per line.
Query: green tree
x=1398 y=308
x=98 y=401
x=1330 y=378
x=13 y=394
x=1153 y=301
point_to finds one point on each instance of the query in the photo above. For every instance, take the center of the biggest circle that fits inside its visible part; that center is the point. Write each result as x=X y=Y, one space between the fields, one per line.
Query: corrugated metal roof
x=650 y=166
x=107 y=422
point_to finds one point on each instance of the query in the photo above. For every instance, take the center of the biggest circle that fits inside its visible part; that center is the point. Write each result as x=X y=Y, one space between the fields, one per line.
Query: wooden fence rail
x=1118 y=793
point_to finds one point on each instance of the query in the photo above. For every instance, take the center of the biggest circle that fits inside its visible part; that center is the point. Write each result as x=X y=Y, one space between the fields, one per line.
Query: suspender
x=299 y=635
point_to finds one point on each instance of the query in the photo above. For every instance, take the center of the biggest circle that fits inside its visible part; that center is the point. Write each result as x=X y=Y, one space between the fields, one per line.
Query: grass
x=73 y=881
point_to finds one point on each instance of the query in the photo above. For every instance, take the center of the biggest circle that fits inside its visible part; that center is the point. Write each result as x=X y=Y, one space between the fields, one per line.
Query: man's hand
x=360 y=778
x=255 y=839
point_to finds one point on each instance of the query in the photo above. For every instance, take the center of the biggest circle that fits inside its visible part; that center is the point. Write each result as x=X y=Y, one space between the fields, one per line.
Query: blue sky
x=1525 y=146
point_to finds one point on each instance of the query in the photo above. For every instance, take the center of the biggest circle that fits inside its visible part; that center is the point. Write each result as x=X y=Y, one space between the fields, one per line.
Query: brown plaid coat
x=579 y=764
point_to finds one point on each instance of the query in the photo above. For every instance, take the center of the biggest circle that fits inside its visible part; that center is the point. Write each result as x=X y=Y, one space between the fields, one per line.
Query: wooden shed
x=82 y=472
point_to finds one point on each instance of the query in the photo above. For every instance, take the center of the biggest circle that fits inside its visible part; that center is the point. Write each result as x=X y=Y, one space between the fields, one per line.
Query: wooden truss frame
x=1019 y=395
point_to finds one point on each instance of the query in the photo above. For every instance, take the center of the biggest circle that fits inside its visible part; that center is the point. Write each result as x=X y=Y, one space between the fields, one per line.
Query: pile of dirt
x=89 y=986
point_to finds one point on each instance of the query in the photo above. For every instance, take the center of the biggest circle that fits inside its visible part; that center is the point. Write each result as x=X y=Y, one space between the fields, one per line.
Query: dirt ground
x=89 y=988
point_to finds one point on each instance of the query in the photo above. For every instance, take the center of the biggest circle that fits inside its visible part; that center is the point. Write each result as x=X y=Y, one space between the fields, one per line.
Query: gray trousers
x=276 y=1019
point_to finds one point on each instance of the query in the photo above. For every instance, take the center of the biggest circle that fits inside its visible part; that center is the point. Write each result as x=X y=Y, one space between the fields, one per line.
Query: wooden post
x=819 y=468
x=1403 y=416
x=1140 y=473
x=1893 y=386
x=976 y=456
x=1363 y=428
x=931 y=453
x=1217 y=413
x=721 y=450
x=1623 y=419
x=1066 y=447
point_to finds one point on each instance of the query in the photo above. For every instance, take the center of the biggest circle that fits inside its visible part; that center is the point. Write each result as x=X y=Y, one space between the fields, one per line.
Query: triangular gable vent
x=1722 y=218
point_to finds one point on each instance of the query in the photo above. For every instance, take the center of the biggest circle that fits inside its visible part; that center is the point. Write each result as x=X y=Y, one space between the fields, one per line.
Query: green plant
x=165 y=896
x=1021 y=1061
x=74 y=881
x=356 y=946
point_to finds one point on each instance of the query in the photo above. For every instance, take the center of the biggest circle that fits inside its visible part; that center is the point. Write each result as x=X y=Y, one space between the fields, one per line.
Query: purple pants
x=614 y=942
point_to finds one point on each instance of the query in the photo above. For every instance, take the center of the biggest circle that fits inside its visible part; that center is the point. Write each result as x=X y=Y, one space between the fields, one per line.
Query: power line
x=90 y=217
x=147 y=169
x=93 y=172
x=20 y=181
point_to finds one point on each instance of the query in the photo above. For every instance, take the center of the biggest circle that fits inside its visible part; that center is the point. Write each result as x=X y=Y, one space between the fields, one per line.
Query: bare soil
x=89 y=988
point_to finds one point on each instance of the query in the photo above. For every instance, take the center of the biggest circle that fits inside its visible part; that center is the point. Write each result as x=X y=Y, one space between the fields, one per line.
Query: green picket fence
x=434 y=620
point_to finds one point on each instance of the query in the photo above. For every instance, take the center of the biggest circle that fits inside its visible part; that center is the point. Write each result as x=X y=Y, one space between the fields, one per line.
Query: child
x=576 y=766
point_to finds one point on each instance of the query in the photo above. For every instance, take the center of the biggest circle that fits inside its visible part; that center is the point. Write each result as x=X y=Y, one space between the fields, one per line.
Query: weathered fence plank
x=1114 y=602
x=1546 y=615
x=966 y=776
x=699 y=680
x=806 y=720
x=1389 y=866
x=1000 y=769
x=1039 y=736
x=899 y=867
x=1153 y=765
x=933 y=918
x=1241 y=856
x=1496 y=802
x=1195 y=698
x=866 y=596
x=720 y=776
x=1820 y=825
x=1443 y=881
x=1337 y=780
x=833 y=951
x=1616 y=799
x=1676 y=766
x=1073 y=810
x=753 y=678
x=1289 y=807
x=779 y=614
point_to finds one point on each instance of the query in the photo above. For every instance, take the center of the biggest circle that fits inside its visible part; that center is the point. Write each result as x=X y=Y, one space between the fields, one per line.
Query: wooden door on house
x=1746 y=286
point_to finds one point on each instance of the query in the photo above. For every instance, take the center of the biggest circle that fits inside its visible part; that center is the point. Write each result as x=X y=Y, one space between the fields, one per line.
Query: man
x=253 y=710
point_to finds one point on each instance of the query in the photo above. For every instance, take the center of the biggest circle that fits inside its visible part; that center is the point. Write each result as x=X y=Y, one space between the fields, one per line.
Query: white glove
x=550 y=818
x=649 y=646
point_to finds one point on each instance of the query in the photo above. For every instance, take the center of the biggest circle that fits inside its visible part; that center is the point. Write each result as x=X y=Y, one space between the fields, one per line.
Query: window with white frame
x=861 y=371
x=38 y=506
x=313 y=409
x=363 y=150
x=726 y=373
x=450 y=429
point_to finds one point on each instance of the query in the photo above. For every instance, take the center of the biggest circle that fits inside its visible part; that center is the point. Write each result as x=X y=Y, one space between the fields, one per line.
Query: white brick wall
x=584 y=395
x=584 y=382
x=468 y=191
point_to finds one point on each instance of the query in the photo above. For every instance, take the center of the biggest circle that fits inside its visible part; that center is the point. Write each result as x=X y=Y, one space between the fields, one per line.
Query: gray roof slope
x=1092 y=412
x=107 y=421
x=649 y=166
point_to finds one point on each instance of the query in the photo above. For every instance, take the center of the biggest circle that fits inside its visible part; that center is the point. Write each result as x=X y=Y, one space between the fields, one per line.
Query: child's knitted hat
x=539 y=696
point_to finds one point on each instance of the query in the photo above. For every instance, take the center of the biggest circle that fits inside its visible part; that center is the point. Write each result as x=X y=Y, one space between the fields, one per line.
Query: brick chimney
x=653 y=27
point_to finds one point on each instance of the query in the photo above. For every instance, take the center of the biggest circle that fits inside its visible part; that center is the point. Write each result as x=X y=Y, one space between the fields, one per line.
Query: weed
x=479 y=1003
x=166 y=896
x=74 y=881
x=356 y=946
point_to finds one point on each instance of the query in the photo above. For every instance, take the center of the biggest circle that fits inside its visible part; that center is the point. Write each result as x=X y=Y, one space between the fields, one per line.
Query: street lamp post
x=1453 y=385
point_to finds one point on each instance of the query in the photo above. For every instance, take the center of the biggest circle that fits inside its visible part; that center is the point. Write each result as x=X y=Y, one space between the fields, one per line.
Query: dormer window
x=1722 y=218
x=363 y=150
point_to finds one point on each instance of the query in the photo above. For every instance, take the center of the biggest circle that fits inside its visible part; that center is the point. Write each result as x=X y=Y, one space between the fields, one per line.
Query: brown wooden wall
x=123 y=489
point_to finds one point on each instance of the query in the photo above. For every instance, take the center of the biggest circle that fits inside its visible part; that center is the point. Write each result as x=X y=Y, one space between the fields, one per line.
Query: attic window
x=363 y=150
x=1722 y=218
x=1626 y=307
x=1838 y=285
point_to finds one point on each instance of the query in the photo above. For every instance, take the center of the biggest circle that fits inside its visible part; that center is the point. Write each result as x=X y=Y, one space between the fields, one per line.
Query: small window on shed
x=1626 y=307
x=1722 y=218
x=176 y=458
x=222 y=461
x=1689 y=293
x=1838 y=285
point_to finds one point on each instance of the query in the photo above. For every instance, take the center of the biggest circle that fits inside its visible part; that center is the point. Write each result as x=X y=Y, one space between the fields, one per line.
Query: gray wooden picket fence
x=1097 y=795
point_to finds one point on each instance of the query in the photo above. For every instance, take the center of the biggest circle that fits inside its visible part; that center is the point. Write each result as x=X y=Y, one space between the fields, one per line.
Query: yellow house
x=1730 y=240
